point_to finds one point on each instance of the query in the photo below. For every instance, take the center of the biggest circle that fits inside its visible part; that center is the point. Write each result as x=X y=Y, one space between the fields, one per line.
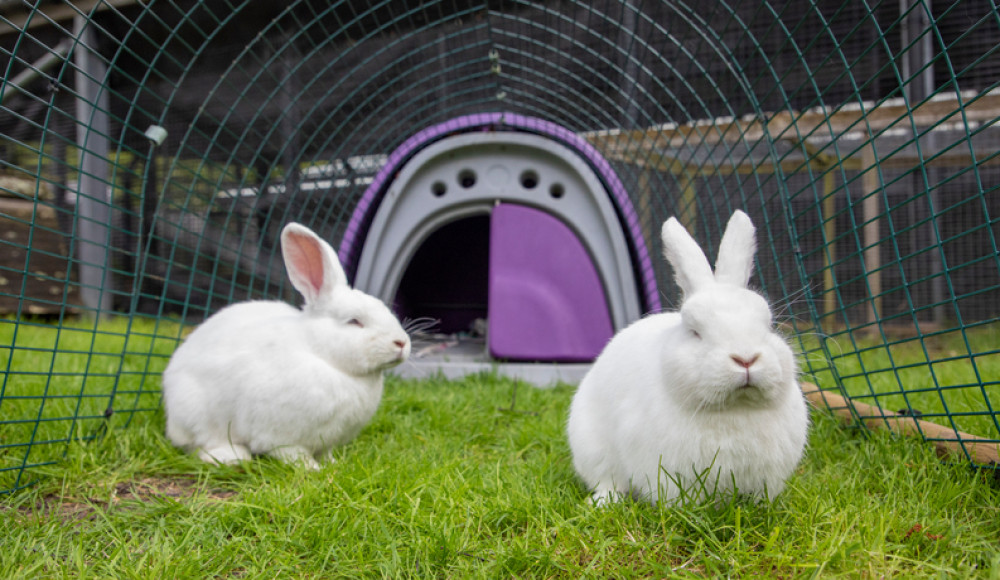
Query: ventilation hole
x=557 y=190
x=529 y=179
x=438 y=188
x=467 y=178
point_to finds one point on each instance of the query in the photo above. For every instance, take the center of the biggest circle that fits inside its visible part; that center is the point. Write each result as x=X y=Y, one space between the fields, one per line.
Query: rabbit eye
x=355 y=322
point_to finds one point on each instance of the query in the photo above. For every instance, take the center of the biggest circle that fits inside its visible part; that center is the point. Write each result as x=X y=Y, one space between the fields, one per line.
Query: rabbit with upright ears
x=264 y=377
x=681 y=405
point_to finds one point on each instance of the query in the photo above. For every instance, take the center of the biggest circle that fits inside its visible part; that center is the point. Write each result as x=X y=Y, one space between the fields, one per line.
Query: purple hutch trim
x=350 y=246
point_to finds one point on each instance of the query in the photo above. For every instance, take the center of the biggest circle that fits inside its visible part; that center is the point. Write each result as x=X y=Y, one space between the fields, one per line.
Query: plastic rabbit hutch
x=508 y=227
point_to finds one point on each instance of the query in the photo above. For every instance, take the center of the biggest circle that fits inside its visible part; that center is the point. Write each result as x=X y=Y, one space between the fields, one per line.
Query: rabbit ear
x=312 y=265
x=736 y=251
x=691 y=269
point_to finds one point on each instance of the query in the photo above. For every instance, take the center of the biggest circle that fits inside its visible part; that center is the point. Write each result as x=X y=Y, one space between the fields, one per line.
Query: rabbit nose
x=399 y=343
x=744 y=362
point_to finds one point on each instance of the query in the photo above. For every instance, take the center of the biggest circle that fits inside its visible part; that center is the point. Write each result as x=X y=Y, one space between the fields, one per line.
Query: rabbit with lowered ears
x=264 y=377
x=687 y=403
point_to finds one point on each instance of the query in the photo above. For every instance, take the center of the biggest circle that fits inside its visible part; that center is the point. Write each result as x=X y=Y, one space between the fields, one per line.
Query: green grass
x=469 y=478
x=451 y=480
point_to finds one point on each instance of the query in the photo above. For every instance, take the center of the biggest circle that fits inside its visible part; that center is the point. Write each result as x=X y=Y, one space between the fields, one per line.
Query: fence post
x=93 y=199
x=871 y=238
x=917 y=44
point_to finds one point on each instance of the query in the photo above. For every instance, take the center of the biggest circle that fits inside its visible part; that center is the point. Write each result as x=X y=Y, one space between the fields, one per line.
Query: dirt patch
x=124 y=495
x=149 y=487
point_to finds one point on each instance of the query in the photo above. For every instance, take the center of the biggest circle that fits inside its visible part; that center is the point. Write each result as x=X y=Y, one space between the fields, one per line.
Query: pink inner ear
x=307 y=258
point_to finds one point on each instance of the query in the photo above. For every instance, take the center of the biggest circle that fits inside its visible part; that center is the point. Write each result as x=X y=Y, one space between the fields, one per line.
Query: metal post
x=93 y=199
x=630 y=69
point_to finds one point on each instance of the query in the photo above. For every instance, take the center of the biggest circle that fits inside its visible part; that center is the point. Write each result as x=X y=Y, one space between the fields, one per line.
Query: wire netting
x=152 y=150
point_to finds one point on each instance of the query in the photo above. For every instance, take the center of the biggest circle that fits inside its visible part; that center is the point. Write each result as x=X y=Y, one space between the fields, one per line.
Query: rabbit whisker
x=420 y=326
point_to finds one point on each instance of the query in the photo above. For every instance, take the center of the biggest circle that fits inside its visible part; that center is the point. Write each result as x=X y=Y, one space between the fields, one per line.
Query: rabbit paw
x=293 y=454
x=226 y=454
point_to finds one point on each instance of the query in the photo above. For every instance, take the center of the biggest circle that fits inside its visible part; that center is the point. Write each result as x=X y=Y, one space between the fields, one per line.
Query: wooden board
x=947 y=442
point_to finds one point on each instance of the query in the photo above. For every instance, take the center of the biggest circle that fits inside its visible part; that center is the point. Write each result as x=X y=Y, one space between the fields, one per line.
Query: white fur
x=268 y=378
x=668 y=402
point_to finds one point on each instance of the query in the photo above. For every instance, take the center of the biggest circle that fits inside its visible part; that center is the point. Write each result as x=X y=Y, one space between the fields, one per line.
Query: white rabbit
x=267 y=378
x=704 y=397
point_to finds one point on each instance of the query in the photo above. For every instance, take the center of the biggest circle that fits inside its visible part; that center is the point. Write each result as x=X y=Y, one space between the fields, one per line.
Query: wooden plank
x=869 y=119
x=21 y=19
x=870 y=231
x=829 y=220
x=947 y=442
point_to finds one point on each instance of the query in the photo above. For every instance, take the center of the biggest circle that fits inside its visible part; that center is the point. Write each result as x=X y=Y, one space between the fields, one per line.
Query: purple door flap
x=546 y=301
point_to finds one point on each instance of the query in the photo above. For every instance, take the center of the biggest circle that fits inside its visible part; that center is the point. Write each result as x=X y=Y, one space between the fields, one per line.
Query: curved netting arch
x=152 y=152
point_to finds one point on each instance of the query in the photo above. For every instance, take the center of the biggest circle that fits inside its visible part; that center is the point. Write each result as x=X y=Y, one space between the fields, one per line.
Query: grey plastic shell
x=468 y=174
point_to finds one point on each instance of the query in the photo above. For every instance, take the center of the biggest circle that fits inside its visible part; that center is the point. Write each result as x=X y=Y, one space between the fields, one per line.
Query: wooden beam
x=45 y=13
x=687 y=204
x=829 y=219
x=870 y=234
x=947 y=442
x=868 y=119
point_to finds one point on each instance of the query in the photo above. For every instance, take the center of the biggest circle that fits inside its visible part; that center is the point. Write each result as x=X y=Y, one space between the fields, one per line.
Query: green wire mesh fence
x=152 y=150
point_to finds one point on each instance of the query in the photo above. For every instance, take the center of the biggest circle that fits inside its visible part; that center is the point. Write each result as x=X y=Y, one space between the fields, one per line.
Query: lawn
x=473 y=479
x=467 y=478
